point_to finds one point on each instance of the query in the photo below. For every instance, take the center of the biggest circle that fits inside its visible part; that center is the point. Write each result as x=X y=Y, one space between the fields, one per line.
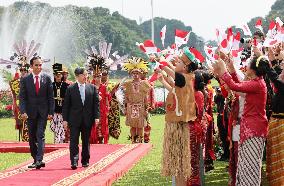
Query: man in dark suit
x=36 y=106
x=80 y=112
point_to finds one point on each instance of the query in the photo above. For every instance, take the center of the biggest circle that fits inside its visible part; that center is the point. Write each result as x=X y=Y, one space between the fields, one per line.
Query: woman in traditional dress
x=254 y=124
x=196 y=130
x=180 y=114
x=59 y=90
x=275 y=138
x=136 y=99
x=100 y=132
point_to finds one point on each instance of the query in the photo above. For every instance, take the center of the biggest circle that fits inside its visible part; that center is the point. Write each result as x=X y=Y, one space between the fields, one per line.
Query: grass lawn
x=145 y=172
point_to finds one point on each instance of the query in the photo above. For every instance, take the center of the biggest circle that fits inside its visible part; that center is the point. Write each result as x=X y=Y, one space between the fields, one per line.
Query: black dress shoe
x=74 y=166
x=85 y=165
x=32 y=166
x=42 y=164
x=38 y=164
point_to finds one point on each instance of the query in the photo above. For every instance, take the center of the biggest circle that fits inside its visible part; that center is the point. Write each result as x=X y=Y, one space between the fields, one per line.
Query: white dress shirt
x=82 y=91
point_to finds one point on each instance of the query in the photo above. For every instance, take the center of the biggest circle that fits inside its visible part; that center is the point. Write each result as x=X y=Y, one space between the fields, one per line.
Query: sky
x=204 y=16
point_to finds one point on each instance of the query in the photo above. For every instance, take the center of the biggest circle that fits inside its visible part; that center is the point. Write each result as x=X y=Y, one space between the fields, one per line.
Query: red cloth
x=37 y=85
x=209 y=144
x=101 y=131
x=254 y=122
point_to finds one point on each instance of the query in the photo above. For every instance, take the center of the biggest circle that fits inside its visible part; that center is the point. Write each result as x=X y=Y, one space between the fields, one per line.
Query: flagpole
x=152 y=22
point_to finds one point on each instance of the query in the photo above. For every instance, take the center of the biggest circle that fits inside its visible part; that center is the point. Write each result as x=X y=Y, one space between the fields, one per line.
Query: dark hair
x=79 y=70
x=33 y=59
x=207 y=77
x=199 y=81
x=262 y=68
x=191 y=67
x=258 y=33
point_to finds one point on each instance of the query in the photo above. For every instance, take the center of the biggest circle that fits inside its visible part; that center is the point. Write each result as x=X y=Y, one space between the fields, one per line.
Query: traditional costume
x=180 y=114
x=100 y=62
x=275 y=138
x=99 y=133
x=136 y=99
x=59 y=90
x=209 y=143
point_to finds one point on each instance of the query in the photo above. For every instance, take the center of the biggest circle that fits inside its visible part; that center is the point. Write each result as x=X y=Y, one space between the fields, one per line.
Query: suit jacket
x=30 y=103
x=74 y=112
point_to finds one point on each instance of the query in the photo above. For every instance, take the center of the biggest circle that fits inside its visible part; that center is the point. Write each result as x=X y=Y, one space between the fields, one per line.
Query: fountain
x=55 y=28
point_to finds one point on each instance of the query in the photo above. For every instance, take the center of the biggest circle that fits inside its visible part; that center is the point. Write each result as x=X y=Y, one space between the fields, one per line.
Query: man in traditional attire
x=136 y=99
x=59 y=90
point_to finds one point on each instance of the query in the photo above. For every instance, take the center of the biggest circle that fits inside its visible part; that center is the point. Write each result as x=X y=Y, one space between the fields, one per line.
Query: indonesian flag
x=153 y=78
x=197 y=54
x=210 y=51
x=270 y=42
x=258 y=24
x=236 y=41
x=181 y=37
x=271 y=30
x=278 y=21
x=246 y=29
x=148 y=47
x=280 y=35
x=218 y=35
x=163 y=35
x=230 y=37
x=225 y=45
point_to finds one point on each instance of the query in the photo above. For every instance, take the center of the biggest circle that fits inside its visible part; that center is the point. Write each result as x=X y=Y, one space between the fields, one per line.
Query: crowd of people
x=249 y=105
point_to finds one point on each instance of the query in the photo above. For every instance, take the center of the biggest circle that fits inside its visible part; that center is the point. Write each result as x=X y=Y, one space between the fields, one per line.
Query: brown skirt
x=176 y=150
x=275 y=152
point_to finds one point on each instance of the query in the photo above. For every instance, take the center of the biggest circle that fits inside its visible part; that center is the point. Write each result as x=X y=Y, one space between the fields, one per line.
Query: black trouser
x=74 y=141
x=223 y=133
x=36 y=131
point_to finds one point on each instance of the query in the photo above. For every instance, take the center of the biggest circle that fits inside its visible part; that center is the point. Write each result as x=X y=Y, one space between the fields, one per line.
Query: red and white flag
x=225 y=45
x=210 y=51
x=258 y=24
x=181 y=37
x=270 y=42
x=246 y=29
x=236 y=41
x=163 y=35
x=278 y=21
x=197 y=54
x=280 y=35
x=271 y=30
x=148 y=47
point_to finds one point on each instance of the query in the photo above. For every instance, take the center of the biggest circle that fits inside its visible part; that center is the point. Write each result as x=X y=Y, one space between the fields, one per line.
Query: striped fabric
x=275 y=152
x=250 y=161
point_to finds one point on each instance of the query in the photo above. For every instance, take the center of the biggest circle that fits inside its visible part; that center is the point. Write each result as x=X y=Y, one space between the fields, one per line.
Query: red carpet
x=107 y=164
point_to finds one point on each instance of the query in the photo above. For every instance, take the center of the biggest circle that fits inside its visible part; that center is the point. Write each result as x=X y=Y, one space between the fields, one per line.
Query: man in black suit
x=36 y=106
x=80 y=112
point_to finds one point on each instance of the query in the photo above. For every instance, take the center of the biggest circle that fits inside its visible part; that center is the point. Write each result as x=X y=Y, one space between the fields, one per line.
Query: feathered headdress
x=110 y=61
x=96 y=64
x=136 y=63
x=22 y=55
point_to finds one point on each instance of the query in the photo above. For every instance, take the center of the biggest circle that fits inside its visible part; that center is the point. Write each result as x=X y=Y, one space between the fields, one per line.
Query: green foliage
x=6 y=75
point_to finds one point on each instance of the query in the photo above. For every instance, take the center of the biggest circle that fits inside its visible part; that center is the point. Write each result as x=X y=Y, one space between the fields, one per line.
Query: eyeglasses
x=38 y=65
